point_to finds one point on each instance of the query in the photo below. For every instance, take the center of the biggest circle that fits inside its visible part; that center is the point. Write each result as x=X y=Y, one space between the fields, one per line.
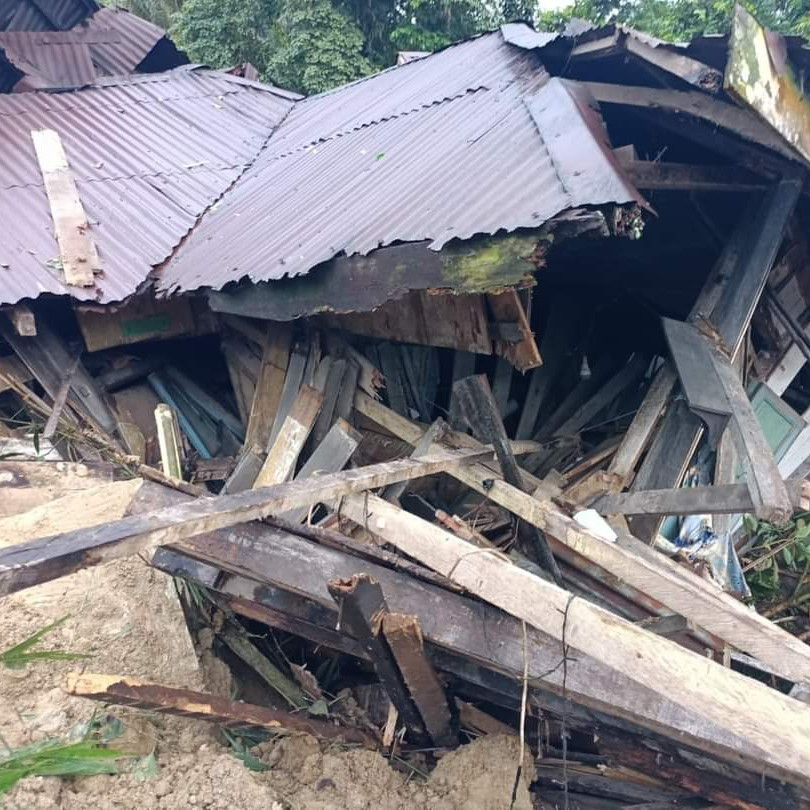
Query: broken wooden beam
x=481 y=412
x=361 y=608
x=154 y=697
x=330 y=456
x=632 y=563
x=269 y=385
x=657 y=175
x=404 y=638
x=624 y=648
x=470 y=639
x=27 y=564
x=289 y=440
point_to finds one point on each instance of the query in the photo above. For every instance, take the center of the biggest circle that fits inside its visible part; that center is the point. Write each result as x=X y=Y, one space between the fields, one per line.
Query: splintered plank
x=361 y=607
x=471 y=639
x=125 y=691
x=281 y=460
x=77 y=248
x=404 y=638
x=269 y=386
x=745 y=708
x=27 y=564
x=331 y=455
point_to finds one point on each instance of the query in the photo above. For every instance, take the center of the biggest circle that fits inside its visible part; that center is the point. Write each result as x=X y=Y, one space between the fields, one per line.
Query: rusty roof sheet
x=43 y=15
x=49 y=59
x=112 y=42
x=474 y=139
x=149 y=155
x=119 y=41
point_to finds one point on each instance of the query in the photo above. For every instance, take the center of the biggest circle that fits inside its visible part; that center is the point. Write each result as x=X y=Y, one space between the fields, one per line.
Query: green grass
x=21 y=654
x=57 y=758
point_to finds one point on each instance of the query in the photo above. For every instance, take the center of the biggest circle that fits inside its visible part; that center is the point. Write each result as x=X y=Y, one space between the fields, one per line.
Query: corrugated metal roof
x=149 y=156
x=112 y=42
x=473 y=139
x=44 y=15
x=49 y=59
x=132 y=42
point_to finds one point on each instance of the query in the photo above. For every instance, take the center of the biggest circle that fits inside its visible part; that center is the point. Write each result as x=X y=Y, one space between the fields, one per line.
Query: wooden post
x=404 y=637
x=361 y=608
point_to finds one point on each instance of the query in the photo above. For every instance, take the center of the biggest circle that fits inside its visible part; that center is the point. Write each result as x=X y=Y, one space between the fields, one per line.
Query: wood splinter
x=395 y=646
x=187 y=703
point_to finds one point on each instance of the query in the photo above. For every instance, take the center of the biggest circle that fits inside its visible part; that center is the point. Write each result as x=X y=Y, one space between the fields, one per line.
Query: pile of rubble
x=431 y=486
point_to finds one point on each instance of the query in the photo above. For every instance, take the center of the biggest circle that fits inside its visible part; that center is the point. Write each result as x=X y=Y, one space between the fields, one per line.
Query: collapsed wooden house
x=415 y=371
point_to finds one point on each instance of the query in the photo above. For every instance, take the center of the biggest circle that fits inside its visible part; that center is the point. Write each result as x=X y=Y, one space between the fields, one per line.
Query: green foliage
x=240 y=744
x=222 y=33
x=56 y=758
x=318 y=48
x=19 y=655
x=775 y=550
x=313 y=45
x=160 y=12
x=680 y=20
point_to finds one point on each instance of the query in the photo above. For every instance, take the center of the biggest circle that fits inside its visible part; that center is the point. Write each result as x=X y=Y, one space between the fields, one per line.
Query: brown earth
x=126 y=616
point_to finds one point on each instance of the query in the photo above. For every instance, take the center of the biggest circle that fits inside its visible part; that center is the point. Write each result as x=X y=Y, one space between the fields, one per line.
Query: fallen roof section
x=149 y=154
x=44 y=15
x=112 y=42
x=475 y=139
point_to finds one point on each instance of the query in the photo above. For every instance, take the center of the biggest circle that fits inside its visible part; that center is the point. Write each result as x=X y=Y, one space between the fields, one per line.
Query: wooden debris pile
x=440 y=553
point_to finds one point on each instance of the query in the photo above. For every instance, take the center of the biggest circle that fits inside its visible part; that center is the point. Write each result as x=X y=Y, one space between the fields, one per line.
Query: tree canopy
x=313 y=45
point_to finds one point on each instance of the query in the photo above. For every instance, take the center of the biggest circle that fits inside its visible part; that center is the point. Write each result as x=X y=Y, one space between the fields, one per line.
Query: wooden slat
x=481 y=412
x=269 y=386
x=77 y=247
x=463 y=636
x=725 y=499
x=168 y=433
x=771 y=499
x=279 y=465
x=29 y=564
